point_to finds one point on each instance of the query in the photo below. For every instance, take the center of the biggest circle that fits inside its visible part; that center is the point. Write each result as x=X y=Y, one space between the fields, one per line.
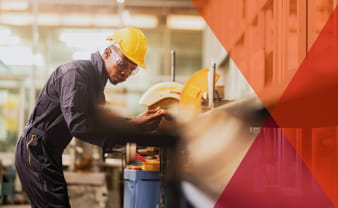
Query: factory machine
x=146 y=168
x=144 y=185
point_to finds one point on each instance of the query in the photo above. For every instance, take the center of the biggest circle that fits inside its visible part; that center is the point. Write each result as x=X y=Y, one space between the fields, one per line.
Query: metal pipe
x=173 y=65
x=163 y=159
x=211 y=84
x=214 y=71
x=163 y=156
x=120 y=11
x=166 y=40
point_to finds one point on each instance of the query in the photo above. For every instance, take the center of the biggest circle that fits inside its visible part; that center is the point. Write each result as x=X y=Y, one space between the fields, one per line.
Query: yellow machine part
x=151 y=165
x=190 y=101
x=166 y=103
x=171 y=105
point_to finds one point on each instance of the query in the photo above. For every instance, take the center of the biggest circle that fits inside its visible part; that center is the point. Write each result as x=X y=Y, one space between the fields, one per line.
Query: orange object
x=135 y=168
x=85 y=164
x=151 y=165
x=138 y=156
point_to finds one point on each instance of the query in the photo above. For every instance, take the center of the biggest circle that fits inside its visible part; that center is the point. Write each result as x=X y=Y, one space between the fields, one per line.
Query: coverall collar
x=100 y=67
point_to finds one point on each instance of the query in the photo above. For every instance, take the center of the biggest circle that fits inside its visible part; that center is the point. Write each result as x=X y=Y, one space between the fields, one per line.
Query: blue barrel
x=141 y=189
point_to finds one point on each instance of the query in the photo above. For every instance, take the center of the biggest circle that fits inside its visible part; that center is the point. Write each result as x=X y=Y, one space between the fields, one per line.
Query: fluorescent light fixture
x=91 y=20
x=20 y=56
x=16 y=18
x=106 y=20
x=89 y=41
x=120 y=1
x=125 y=17
x=185 y=22
x=10 y=40
x=54 y=19
x=143 y=21
x=4 y=32
x=14 y=5
x=77 y=19
x=7 y=38
x=49 y=19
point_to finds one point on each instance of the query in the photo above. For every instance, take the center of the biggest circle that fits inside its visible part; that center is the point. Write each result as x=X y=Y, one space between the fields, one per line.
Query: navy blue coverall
x=66 y=107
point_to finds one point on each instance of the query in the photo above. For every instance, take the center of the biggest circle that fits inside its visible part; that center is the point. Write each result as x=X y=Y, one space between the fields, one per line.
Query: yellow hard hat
x=132 y=43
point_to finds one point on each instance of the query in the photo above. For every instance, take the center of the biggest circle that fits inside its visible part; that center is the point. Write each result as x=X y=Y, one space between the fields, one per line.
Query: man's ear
x=107 y=52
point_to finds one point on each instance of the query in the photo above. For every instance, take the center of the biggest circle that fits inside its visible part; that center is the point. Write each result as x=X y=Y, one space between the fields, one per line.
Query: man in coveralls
x=68 y=106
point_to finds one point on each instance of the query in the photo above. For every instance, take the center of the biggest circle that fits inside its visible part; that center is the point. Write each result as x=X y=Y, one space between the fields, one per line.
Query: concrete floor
x=112 y=202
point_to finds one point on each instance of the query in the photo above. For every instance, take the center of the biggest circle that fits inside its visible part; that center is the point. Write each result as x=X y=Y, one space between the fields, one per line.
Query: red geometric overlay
x=305 y=174
x=269 y=177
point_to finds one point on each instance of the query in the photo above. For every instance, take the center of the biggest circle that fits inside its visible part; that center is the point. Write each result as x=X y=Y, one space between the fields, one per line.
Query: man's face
x=121 y=67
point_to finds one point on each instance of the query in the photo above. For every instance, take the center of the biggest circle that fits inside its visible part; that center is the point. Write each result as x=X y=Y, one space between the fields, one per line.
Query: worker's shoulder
x=79 y=69
x=80 y=66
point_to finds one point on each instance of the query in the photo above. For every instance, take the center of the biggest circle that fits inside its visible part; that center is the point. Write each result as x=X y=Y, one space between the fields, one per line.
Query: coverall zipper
x=27 y=147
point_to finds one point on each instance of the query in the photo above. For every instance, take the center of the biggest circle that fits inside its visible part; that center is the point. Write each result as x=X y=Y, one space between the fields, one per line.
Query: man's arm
x=98 y=126
x=79 y=108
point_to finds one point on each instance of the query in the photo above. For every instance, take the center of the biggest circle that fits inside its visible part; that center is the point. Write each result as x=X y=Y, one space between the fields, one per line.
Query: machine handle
x=138 y=156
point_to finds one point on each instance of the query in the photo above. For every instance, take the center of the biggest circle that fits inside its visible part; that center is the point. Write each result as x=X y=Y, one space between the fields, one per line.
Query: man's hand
x=148 y=120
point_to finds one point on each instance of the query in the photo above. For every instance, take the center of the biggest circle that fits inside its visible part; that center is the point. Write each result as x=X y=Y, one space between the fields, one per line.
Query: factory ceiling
x=149 y=6
x=56 y=12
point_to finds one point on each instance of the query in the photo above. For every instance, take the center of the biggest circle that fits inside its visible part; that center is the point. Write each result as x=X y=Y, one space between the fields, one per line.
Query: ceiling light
x=7 y=38
x=106 y=20
x=143 y=21
x=16 y=19
x=85 y=20
x=14 y=5
x=10 y=40
x=90 y=41
x=10 y=54
x=77 y=19
x=185 y=22
x=4 y=32
x=49 y=19
x=125 y=17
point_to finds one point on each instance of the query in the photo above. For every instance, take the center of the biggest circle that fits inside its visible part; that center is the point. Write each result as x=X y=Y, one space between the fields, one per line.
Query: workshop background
x=38 y=35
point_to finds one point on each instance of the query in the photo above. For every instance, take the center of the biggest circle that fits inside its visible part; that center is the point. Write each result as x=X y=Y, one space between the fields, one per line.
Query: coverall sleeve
x=88 y=122
x=78 y=102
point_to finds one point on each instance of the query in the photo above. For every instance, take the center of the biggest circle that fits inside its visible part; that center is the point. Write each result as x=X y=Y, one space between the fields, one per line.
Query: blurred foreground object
x=216 y=142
